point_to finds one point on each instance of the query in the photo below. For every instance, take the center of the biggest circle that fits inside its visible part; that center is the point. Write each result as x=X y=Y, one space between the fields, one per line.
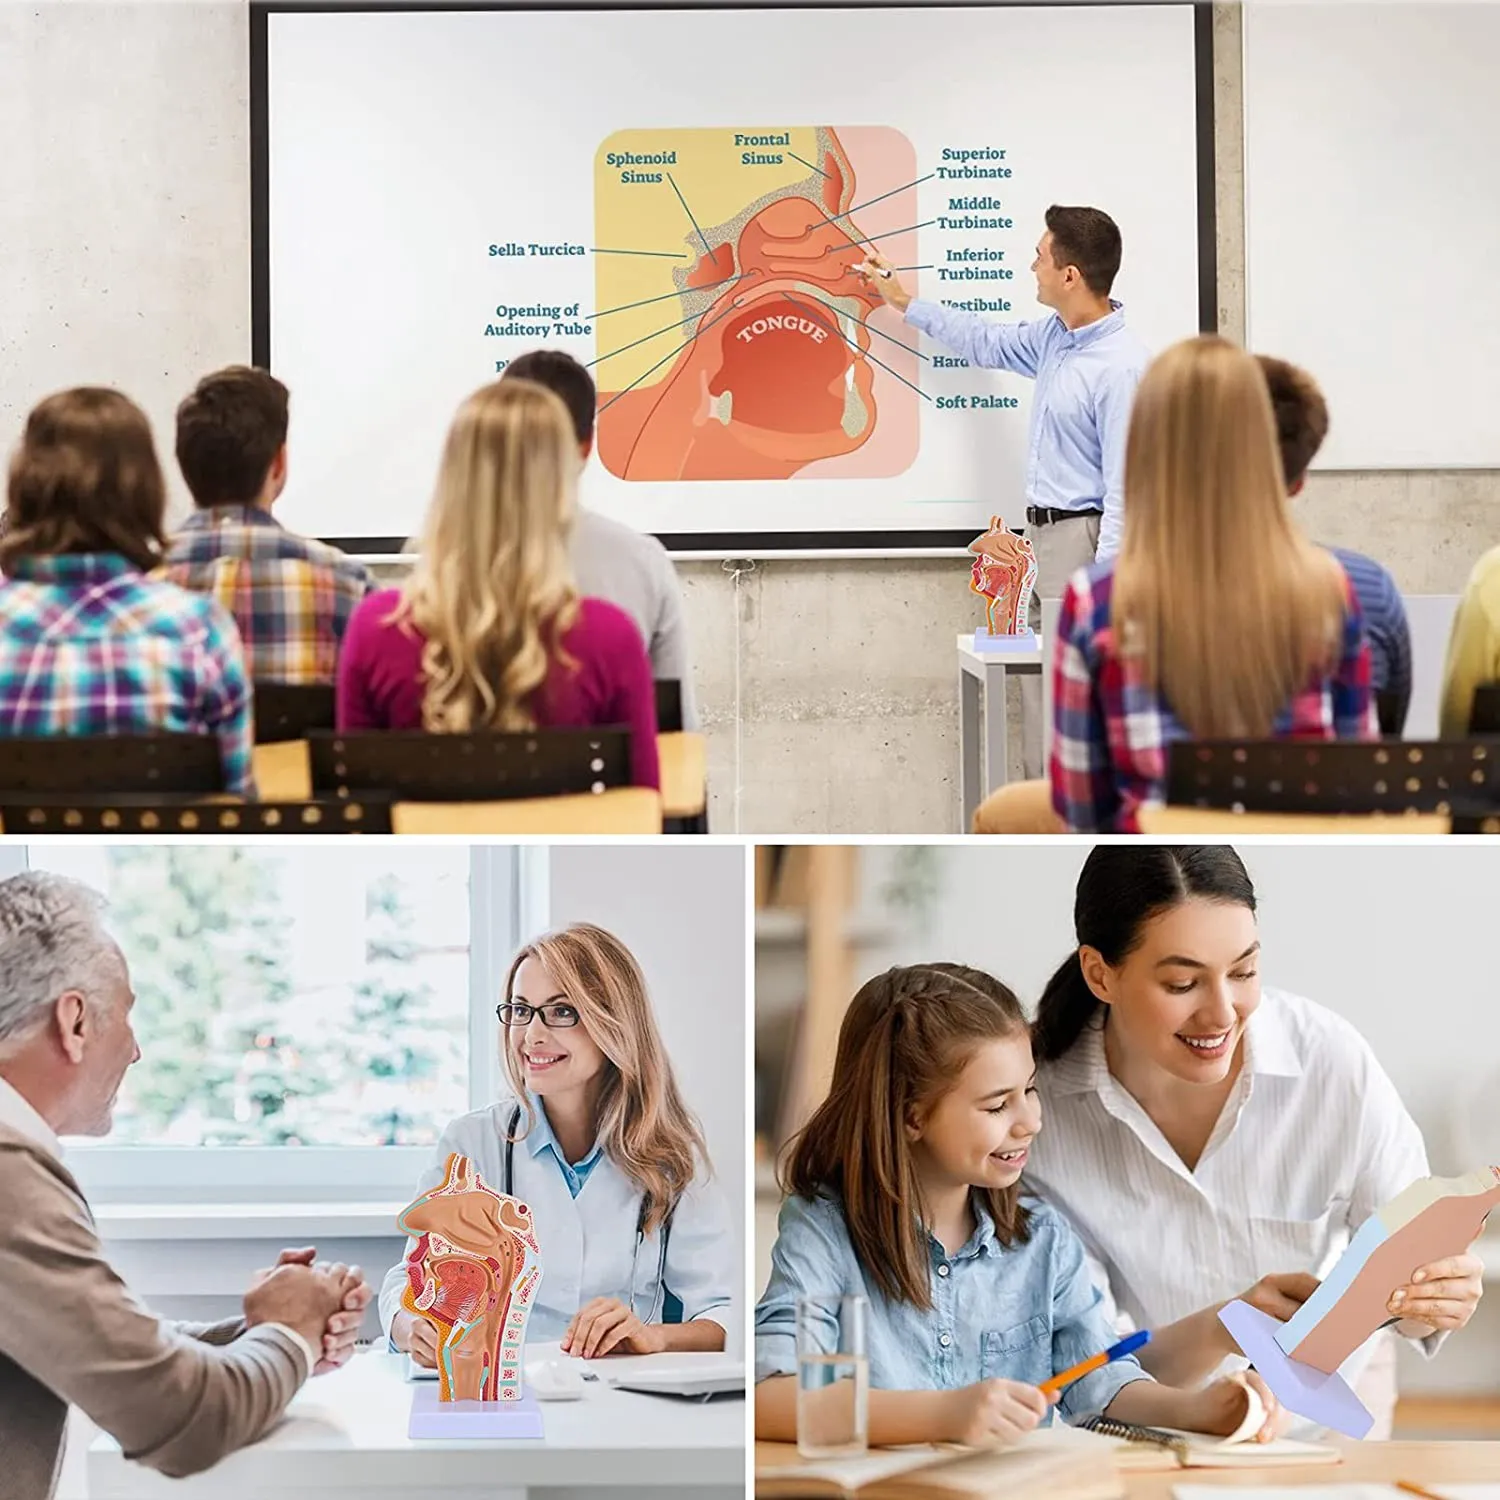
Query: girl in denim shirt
x=904 y=1188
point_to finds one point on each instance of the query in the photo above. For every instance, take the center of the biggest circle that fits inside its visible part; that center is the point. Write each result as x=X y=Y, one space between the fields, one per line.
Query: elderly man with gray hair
x=178 y=1397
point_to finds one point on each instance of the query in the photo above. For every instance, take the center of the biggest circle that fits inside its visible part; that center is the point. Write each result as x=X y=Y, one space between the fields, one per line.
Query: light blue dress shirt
x=1085 y=383
x=540 y=1138
x=1019 y=1313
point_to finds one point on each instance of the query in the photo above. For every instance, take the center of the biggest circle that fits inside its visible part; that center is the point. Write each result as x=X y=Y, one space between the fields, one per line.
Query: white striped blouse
x=1311 y=1141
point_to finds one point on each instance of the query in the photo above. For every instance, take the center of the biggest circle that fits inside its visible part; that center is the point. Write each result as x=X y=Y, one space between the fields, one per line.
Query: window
x=310 y=1017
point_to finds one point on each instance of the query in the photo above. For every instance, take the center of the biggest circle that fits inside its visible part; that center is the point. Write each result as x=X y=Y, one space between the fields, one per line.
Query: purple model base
x=432 y=1418
x=1325 y=1399
x=1024 y=642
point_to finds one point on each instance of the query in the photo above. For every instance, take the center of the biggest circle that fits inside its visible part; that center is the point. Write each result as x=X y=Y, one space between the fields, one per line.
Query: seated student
x=489 y=631
x=291 y=597
x=610 y=560
x=1301 y=425
x=1473 y=646
x=905 y=1188
x=89 y=644
x=1218 y=620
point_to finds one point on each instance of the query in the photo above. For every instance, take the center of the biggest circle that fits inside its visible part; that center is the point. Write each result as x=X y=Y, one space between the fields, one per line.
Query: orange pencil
x=1416 y=1489
x=1095 y=1362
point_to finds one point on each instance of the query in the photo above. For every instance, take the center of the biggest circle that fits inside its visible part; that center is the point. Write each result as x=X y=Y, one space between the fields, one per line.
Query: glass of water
x=833 y=1377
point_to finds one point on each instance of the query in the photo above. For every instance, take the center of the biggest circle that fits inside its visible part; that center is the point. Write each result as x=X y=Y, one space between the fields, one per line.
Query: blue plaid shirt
x=291 y=596
x=89 y=645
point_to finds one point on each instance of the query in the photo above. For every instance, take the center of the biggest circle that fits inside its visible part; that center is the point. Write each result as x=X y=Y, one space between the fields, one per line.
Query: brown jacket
x=177 y=1397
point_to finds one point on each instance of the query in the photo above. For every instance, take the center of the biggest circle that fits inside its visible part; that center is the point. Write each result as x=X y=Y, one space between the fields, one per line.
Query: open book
x=1045 y=1465
x=1165 y=1448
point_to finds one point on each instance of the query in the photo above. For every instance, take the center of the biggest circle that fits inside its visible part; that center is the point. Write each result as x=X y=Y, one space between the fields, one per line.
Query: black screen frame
x=726 y=544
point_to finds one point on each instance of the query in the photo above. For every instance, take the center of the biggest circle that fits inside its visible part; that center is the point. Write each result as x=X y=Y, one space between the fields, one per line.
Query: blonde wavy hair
x=1228 y=606
x=492 y=591
x=642 y=1123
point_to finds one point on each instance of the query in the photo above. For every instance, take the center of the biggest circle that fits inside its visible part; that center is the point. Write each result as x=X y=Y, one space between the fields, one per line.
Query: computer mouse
x=554 y=1381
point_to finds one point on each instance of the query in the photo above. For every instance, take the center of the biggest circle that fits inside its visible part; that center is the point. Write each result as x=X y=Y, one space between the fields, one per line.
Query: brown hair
x=1089 y=239
x=1301 y=415
x=907 y=1034
x=1227 y=604
x=566 y=379
x=645 y=1128
x=229 y=432
x=85 y=479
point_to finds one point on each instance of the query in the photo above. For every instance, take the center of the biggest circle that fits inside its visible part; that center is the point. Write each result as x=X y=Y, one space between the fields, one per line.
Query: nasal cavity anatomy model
x=1433 y=1219
x=735 y=339
x=473 y=1274
x=1004 y=573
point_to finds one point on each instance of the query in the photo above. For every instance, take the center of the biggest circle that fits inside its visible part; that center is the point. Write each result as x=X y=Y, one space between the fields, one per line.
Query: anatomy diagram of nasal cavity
x=735 y=340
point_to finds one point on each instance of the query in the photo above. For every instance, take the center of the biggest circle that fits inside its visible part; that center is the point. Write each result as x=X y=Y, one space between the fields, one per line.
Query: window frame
x=508 y=905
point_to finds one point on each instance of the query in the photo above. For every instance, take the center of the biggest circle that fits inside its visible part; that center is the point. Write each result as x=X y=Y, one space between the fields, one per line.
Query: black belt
x=1044 y=515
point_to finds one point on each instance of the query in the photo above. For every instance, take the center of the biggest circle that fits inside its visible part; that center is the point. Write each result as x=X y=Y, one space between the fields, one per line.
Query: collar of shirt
x=71 y=569
x=981 y=1242
x=1091 y=333
x=542 y=1137
x=16 y=1112
x=208 y=517
x=1270 y=1052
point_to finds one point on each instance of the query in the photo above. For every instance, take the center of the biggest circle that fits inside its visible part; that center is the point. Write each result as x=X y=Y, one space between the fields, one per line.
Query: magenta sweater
x=380 y=677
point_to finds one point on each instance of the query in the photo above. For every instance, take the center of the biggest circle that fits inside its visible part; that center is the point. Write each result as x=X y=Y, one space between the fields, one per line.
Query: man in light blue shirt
x=1086 y=364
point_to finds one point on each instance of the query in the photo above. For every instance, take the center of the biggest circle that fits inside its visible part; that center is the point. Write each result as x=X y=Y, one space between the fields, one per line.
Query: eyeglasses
x=518 y=1013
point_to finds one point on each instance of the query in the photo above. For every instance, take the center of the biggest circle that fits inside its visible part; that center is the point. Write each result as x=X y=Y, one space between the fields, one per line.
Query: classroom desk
x=1433 y=1464
x=684 y=774
x=283 y=774
x=345 y=1439
x=1173 y=822
x=1430 y=1464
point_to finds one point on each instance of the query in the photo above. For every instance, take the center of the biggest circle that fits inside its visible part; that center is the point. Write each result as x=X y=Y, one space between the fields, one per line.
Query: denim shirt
x=1022 y=1312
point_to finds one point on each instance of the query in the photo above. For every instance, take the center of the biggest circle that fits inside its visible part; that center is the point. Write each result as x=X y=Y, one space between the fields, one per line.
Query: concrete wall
x=829 y=690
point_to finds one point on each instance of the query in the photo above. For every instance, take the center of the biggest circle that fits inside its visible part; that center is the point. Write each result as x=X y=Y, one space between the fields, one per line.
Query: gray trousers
x=1061 y=549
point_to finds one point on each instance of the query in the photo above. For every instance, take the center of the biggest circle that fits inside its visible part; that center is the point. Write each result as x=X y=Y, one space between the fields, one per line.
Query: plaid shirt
x=291 y=597
x=1111 y=729
x=89 y=645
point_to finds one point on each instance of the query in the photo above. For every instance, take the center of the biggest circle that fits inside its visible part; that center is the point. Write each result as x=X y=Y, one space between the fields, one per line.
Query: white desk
x=982 y=721
x=345 y=1437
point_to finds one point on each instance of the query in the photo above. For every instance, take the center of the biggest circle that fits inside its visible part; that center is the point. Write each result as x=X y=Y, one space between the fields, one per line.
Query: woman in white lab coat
x=595 y=1138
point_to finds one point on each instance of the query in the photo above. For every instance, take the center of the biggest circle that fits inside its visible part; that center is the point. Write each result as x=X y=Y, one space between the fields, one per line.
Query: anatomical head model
x=473 y=1273
x=1004 y=572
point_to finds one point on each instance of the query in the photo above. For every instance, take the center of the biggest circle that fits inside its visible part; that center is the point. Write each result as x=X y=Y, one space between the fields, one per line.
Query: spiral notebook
x=1162 y=1448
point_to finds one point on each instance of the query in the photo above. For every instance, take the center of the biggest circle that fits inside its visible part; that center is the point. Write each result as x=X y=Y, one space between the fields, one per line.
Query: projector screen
x=1361 y=124
x=677 y=198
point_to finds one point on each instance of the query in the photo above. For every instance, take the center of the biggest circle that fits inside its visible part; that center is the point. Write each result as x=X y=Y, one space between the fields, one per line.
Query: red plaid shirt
x=1110 y=729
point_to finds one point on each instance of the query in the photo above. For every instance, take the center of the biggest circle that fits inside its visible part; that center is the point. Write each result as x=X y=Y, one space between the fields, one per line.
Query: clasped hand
x=326 y=1298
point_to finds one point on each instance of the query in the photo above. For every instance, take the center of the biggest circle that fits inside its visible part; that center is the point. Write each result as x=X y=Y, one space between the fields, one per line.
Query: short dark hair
x=1301 y=415
x=85 y=479
x=564 y=377
x=1089 y=239
x=229 y=432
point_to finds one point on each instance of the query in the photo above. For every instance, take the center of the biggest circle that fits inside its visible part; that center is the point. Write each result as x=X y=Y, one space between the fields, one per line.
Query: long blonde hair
x=1228 y=606
x=643 y=1125
x=492 y=591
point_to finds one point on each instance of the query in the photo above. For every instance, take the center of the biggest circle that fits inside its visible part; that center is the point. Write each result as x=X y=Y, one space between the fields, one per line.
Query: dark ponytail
x=1120 y=888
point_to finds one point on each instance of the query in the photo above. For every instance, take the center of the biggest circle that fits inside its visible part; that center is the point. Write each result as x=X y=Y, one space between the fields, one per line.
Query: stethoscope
x=508 y=1188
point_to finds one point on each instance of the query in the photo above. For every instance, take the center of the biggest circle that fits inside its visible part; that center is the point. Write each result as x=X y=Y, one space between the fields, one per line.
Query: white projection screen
x=677 y=198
